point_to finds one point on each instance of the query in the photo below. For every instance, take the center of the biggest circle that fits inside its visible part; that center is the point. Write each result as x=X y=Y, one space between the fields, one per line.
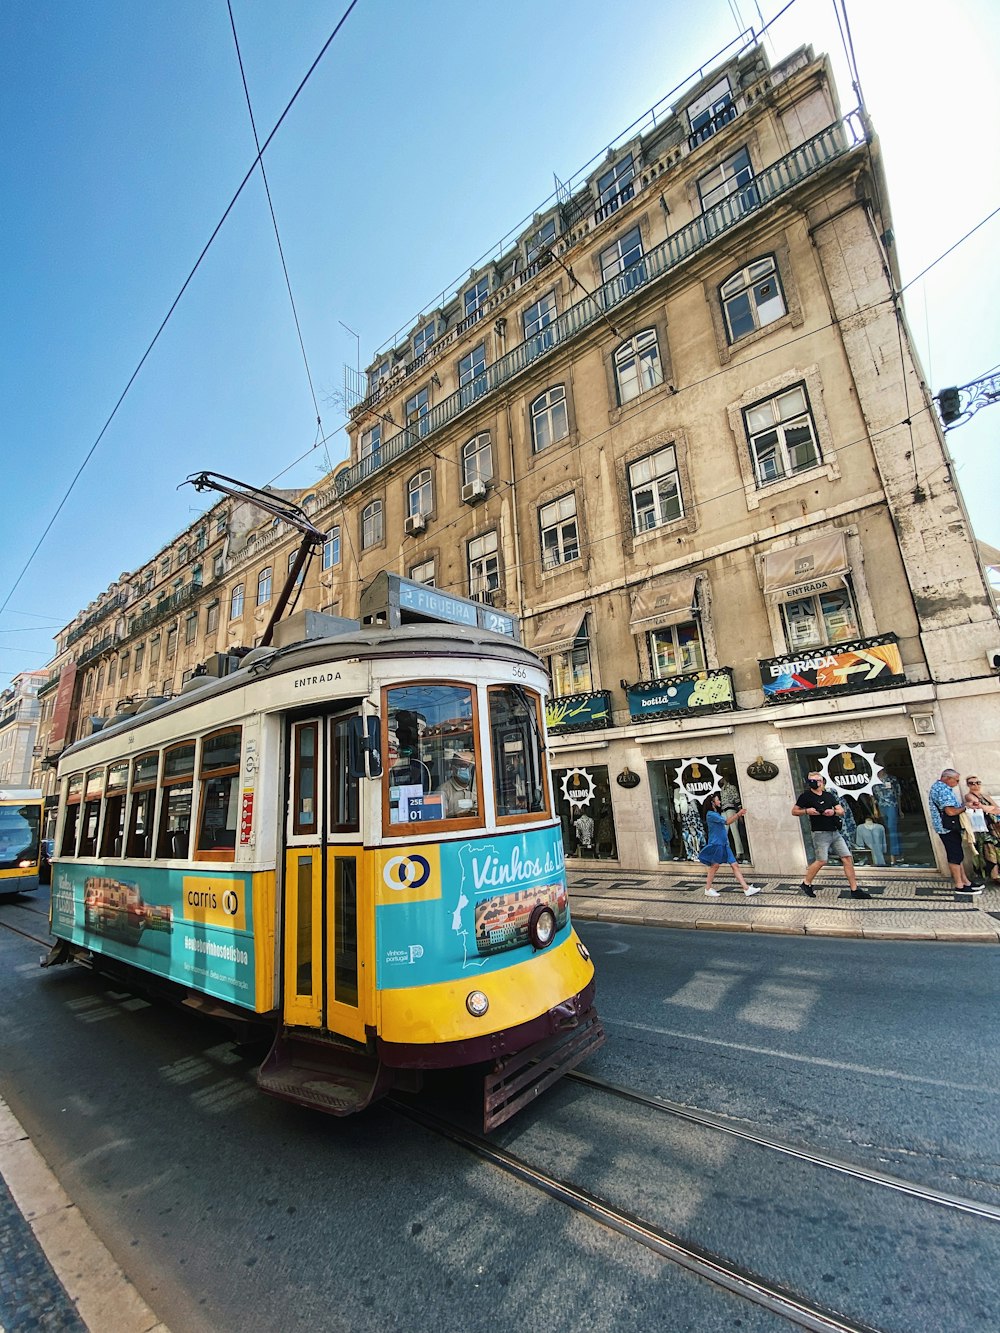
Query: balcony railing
x=833 y=669
x=687 y=695
x=95 y=651
x=95 y=618
x=579 y=712
x=775 y=181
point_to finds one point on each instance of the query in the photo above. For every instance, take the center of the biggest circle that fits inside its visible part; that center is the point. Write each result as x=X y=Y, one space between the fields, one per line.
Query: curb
x=102 y=1295
x=857 y=931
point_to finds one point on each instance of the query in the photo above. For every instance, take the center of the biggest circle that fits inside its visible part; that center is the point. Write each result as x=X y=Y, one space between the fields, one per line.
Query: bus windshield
x=19 y=832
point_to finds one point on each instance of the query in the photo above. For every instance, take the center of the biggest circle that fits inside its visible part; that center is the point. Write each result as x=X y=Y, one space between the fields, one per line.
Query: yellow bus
x=20 y=839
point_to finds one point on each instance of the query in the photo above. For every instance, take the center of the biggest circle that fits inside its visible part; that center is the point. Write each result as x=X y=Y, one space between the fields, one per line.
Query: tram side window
x=139 y=841
x=112 y=835
x=91 y=812
x=344 y=787
x=432 y=770
x=71 y=824
x=518 y=752
x=177 y=783
x=305 y=811
x=220 y=791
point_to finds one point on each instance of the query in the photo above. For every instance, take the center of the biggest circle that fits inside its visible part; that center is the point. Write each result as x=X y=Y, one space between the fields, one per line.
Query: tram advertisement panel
x=195 y=929
x=449 y=909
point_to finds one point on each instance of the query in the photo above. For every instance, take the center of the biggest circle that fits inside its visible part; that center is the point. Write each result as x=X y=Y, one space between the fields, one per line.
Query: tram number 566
x=519 y=672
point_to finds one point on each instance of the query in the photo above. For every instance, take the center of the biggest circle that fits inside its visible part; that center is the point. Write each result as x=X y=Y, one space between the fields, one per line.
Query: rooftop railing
x=773 y=182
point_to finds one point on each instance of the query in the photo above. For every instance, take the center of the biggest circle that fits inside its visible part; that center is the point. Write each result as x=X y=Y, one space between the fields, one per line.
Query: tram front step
x=322 y=1075
x=519 y=1080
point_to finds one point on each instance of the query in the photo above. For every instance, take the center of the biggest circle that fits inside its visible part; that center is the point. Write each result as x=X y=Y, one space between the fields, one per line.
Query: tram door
x=328 y=920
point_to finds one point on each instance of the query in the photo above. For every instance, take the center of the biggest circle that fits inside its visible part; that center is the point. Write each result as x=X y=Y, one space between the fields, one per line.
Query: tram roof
x=416 y=640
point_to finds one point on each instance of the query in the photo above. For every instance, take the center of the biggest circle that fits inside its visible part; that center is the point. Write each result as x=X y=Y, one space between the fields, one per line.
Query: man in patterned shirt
x=945 y=806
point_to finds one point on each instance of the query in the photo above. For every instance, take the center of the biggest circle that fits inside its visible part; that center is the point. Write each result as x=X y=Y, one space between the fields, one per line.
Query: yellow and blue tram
x=351 y=836
x=20 y=839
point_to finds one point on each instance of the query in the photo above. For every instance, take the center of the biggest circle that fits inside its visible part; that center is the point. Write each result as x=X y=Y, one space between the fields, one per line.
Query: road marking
x=845 y=1065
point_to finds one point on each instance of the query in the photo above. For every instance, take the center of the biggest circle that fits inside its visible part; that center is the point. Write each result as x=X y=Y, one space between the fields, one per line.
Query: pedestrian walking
x=825 y=814
x=946 y=806
x=717 y=851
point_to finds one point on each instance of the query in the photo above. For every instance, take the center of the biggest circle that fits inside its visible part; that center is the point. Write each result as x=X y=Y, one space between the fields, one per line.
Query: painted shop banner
x=710 y=690
x=850 y=668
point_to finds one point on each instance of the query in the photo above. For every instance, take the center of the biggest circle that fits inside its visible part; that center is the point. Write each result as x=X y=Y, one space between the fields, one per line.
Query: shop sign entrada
x=860 y=666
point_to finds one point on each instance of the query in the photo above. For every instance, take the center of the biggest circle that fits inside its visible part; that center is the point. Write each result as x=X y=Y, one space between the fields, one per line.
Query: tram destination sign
x=392 y=600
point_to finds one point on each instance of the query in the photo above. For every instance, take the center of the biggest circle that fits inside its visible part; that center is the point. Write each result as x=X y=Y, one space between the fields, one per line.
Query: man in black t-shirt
x=824 y=811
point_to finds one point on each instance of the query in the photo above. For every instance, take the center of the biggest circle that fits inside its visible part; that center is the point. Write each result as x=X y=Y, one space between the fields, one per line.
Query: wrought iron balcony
x=579 y=712
x=96 y=617
x=833 y=669
x=100 y=647
x=687 y=695
x=773 y=182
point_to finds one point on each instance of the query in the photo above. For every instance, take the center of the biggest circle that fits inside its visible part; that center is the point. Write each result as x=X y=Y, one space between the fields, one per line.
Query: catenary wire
x=174 y=304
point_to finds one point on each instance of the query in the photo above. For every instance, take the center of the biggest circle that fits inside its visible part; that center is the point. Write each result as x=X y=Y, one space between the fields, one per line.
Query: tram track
x=736 y=1280
x=850 y=1170
x=45 y=941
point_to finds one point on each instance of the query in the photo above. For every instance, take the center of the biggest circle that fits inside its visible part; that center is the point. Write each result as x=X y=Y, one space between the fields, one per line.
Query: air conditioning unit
x=414 y=524
x=473 y=492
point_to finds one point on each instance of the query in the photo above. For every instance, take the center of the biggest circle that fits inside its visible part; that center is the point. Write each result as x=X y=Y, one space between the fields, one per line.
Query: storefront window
x=680 y=790
x=884 y=822
x=583 y=803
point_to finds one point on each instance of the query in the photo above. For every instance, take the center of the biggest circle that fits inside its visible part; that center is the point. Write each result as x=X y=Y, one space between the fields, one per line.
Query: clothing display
x=871 y=836
x=888 y=793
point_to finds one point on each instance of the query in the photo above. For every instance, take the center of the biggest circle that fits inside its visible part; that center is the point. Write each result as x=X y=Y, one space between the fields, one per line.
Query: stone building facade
x=677 y=426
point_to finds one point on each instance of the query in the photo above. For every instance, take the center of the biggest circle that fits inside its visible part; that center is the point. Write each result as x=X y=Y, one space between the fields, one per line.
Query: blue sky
x=428 y=131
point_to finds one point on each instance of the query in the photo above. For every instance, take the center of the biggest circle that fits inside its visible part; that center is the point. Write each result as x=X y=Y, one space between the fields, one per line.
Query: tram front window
x=432 y=771
x=518 y=753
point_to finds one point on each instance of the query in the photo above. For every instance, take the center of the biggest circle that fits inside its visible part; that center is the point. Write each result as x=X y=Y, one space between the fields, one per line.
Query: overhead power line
x=174 y=304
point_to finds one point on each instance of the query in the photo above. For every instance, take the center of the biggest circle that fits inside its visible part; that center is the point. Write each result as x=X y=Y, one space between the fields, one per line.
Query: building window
x=560 y=536
x=638 y=366
x=200 y=541
x=571 y=670
x=182 y=556
x=549 y=418
x=734 y=176
x=123 y=665
x=782 y=436
x=674 y=649
x=710 y=113
x=292 y=557
x=752 y=298
x=218 y=565
x=476 y=297
x=623 y=260
x=655 y=490
x=221 y=525
x=419 y=493
x=423 y=339
x=171 y=642
x=140 y=653
x=423 y=573
x=371 y=524
x=484 y=566
x=371 y=443
x=615 y=185
x=211 y=617
x=828 y=617
x=164 y=567
x=541 y=240
x=264 y=585
x=377 y=376
x=477 y=459
x=154 y=650
x=538 y=319
x=191 y=627
x=236 y=602
x=88 y=684
x=196 y=575
x=416 y=409
x=471 y=374
x=331 y=549
x=97 y=689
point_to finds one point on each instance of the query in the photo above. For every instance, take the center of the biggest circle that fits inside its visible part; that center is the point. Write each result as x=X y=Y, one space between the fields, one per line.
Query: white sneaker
x=750 y=890
x=712 y=893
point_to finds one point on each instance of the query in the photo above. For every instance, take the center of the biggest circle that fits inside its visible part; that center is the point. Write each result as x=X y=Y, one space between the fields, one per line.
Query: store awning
x=666 y=604
x=558 y=631
x=989 y=556
x=806 y=569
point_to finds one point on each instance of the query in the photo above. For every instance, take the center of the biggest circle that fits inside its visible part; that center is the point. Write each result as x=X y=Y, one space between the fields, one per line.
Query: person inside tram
x=458 y=790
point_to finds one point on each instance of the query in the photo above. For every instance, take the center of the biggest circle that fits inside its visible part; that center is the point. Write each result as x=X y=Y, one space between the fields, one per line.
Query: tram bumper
x=516 y=1080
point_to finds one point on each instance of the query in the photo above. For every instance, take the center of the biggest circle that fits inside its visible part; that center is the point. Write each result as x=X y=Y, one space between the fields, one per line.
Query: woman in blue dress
x=717 y=850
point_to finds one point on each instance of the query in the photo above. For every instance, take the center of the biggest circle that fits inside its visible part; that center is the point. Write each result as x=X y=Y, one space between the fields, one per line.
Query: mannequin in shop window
x=692 y=829
x=583 y=827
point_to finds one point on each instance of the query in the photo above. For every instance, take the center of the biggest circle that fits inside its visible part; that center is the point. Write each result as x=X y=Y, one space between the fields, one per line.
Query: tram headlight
x=584 y=951
x=541 y=926
x=23 y=865
x=476 y=1003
